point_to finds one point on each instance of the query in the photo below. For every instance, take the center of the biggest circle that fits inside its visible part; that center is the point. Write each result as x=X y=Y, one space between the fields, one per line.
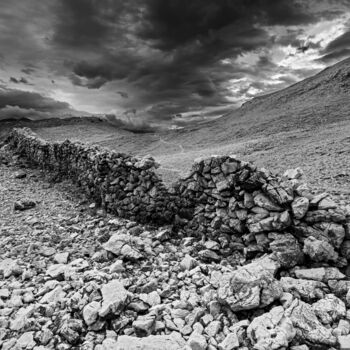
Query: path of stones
x=72 y=277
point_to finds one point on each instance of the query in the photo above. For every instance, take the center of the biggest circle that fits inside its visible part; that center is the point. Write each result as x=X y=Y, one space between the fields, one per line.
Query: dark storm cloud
x=174 y=23
x=16 y=104
x=168 y=50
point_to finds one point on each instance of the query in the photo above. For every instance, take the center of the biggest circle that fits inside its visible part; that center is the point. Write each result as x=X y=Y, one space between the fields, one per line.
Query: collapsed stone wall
x=122 y=184
x=229 y=203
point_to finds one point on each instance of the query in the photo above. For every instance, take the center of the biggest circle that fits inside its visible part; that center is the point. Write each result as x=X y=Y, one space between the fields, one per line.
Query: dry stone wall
x=229 y=203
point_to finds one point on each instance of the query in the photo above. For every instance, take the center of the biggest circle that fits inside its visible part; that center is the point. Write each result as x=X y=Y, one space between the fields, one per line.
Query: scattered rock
x=114 y=298
x=24 y=204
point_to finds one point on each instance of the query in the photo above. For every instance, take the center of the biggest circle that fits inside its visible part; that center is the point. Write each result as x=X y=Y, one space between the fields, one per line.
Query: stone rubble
x=253 y=261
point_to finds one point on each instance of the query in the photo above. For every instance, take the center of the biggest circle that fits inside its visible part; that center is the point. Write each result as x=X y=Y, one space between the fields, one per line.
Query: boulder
x=329 y=309
x=319 y=250
x=114 y=298
x=307 y=290
x=286 y=250
x=300 y=206
x=308 y=328
x=271 y=330
x=250 y=286
x=321 y=274
x=125 y=246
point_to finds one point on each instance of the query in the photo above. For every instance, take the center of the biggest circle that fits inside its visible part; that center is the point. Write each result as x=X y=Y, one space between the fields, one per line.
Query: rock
x=144 y=325
x=300 y=206
x=24 y=204
x=250 y=286
x=117 y=266
x=9 y=267
x=273 y=223
x=21 y=318
x=293 y=173
x=305 y=289
x=271 y=330
x=90 y=312
x=329 y=309
x=150 y=286
x=54 y=296
x=163 y=235
x=197 y=341
x=345 y=249
x=61 y=258
x=230 y=342
x=114 y=298
x=20 y=174
x=264 y=202
x=319 y=250
x=57 y=270
x=125 y=246
x=70 y=330
x=26 y=341
x=321 y=274
x=326 y=203
x=208 y=255
x=344 y=342
x=188 y=263
x=213 y=328
x=307 y=325
x=286 y=250
x=173 y=341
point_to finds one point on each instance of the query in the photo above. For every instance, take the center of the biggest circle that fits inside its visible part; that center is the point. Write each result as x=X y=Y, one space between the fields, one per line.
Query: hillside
x=306 y=124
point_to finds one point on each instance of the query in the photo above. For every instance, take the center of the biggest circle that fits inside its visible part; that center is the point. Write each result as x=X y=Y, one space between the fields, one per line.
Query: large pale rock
x=9 y=267
x=250 y=286
x=197 y=341
x=125 y=246
x=114 y=298
x=172 y=341
x=335 y=232
x=230 y=342
x=90 y=312
x=329 y=309
x=319 y=250
x=307 y=325
x=292 y=174
x=300 y=206
x=271 y=330
x=321 y=274
x=304 y=289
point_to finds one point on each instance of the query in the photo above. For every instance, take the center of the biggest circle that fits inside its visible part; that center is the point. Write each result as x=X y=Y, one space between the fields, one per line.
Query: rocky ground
x=72 y=277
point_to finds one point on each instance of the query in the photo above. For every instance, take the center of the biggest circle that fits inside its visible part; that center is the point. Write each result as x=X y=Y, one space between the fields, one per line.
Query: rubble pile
x=124 y=185
x=254 y=261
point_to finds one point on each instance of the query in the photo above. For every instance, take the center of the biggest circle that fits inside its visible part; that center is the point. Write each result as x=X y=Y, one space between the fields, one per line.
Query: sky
x=160 y=60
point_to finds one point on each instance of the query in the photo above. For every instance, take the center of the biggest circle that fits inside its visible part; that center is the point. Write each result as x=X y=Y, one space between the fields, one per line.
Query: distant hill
x=322 y=98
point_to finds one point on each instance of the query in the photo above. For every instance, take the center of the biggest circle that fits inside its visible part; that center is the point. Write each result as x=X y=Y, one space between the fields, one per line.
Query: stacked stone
x=244 y=208
x=229 y=203
x=122 y=184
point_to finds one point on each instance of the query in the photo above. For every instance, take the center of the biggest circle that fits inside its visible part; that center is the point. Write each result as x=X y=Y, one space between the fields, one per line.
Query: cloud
x=19 y=81
x=16 y=104
x=16 y=112
x=163 y=57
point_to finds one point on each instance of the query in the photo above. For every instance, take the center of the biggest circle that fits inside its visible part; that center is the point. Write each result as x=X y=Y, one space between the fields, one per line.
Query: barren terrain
x=306 y=125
